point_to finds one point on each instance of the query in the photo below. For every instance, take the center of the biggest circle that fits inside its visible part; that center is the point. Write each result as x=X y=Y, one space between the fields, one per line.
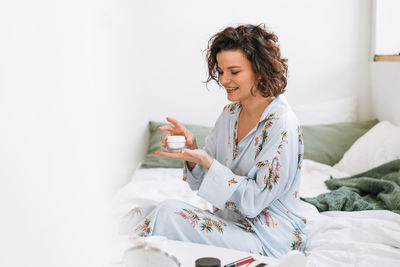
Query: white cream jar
x=175 y=143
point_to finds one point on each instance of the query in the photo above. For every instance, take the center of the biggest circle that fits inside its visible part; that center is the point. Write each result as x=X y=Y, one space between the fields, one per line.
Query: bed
x=335 y=238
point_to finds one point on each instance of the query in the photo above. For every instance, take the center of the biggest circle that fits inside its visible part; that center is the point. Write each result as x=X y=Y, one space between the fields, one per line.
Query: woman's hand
x=197 y=156
x=192 y=155
x=178 y=129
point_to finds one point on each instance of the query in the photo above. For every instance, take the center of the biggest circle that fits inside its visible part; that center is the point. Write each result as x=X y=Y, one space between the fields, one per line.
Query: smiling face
x=236 y=75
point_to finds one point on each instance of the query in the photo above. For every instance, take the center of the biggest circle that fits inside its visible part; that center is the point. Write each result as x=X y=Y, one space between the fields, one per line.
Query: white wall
x=160 y=58
x=384 y=75
x=387 y=41
x=54 y=86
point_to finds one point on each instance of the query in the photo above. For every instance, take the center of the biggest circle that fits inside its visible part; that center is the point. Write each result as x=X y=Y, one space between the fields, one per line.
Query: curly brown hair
x=260 y=48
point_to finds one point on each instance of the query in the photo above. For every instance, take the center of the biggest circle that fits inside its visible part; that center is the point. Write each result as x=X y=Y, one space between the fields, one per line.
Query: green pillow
x=322 y=143
x=328 y=143
x=156 y=136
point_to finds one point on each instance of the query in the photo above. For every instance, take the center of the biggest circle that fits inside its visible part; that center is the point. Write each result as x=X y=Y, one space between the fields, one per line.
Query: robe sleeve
x=275 y=166
x=195 y=177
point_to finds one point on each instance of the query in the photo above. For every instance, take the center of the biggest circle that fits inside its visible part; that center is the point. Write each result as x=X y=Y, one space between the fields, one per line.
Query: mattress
x=335 y=238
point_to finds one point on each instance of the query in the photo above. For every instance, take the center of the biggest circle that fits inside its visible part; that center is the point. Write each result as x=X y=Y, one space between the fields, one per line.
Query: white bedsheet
x=363 y=238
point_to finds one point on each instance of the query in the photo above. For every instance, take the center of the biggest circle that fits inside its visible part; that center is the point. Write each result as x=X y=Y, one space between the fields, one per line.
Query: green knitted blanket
x=376 y=189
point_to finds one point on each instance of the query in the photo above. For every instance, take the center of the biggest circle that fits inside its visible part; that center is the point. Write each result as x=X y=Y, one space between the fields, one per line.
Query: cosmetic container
x=208 y=262
x=175 y=143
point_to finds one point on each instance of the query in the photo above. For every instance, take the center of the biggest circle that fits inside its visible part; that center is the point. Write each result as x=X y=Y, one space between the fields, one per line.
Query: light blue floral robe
x=253 y=186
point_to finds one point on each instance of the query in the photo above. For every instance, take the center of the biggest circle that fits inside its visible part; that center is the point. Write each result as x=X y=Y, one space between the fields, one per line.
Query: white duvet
x=335 y=238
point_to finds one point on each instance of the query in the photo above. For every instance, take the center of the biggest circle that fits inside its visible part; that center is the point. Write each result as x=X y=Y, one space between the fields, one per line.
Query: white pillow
x=328 y=112
x=379 y=145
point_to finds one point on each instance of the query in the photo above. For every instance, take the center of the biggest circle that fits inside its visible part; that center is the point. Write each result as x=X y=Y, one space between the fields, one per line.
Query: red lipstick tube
x=240 y=262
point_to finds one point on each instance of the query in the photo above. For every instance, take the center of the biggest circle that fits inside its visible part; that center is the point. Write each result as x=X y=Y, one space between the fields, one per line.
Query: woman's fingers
x=198 y=156
x=189 y=138
x=164 y=140
x=170 y=155
x=188 y=152
x=176 y=129
x=172 y=131
x=167 y=127
x=185 y=154
x=175 y=122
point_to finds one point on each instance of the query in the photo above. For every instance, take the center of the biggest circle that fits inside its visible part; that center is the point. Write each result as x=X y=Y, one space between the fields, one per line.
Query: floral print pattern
x=256 y=141
x=246 y=225
x=297 y=244
x=268 y=217
x=232 y=205
x=232 y=181
x=262 y=163
x=300 y=156
x=235 y=144
x=234 y=107
x=299 y=161
x=283 y=141
x=264 y=133
x=272 y=176
x=205 y=223
x=300 y=134
x=268 y=220
x=144 y=229
x=189 y=215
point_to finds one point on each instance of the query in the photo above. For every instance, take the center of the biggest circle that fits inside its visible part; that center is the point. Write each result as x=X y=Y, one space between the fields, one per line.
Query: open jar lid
x=176 y=138
x=208 y=262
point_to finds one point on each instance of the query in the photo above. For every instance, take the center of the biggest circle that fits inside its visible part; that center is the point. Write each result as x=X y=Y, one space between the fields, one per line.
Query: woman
x=250 y=167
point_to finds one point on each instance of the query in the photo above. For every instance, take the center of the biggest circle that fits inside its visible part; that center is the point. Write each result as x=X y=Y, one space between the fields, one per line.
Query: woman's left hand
x=197 y=156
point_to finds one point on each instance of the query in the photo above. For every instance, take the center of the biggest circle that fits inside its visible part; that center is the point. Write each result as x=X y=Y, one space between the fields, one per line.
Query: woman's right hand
x=177 y=129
